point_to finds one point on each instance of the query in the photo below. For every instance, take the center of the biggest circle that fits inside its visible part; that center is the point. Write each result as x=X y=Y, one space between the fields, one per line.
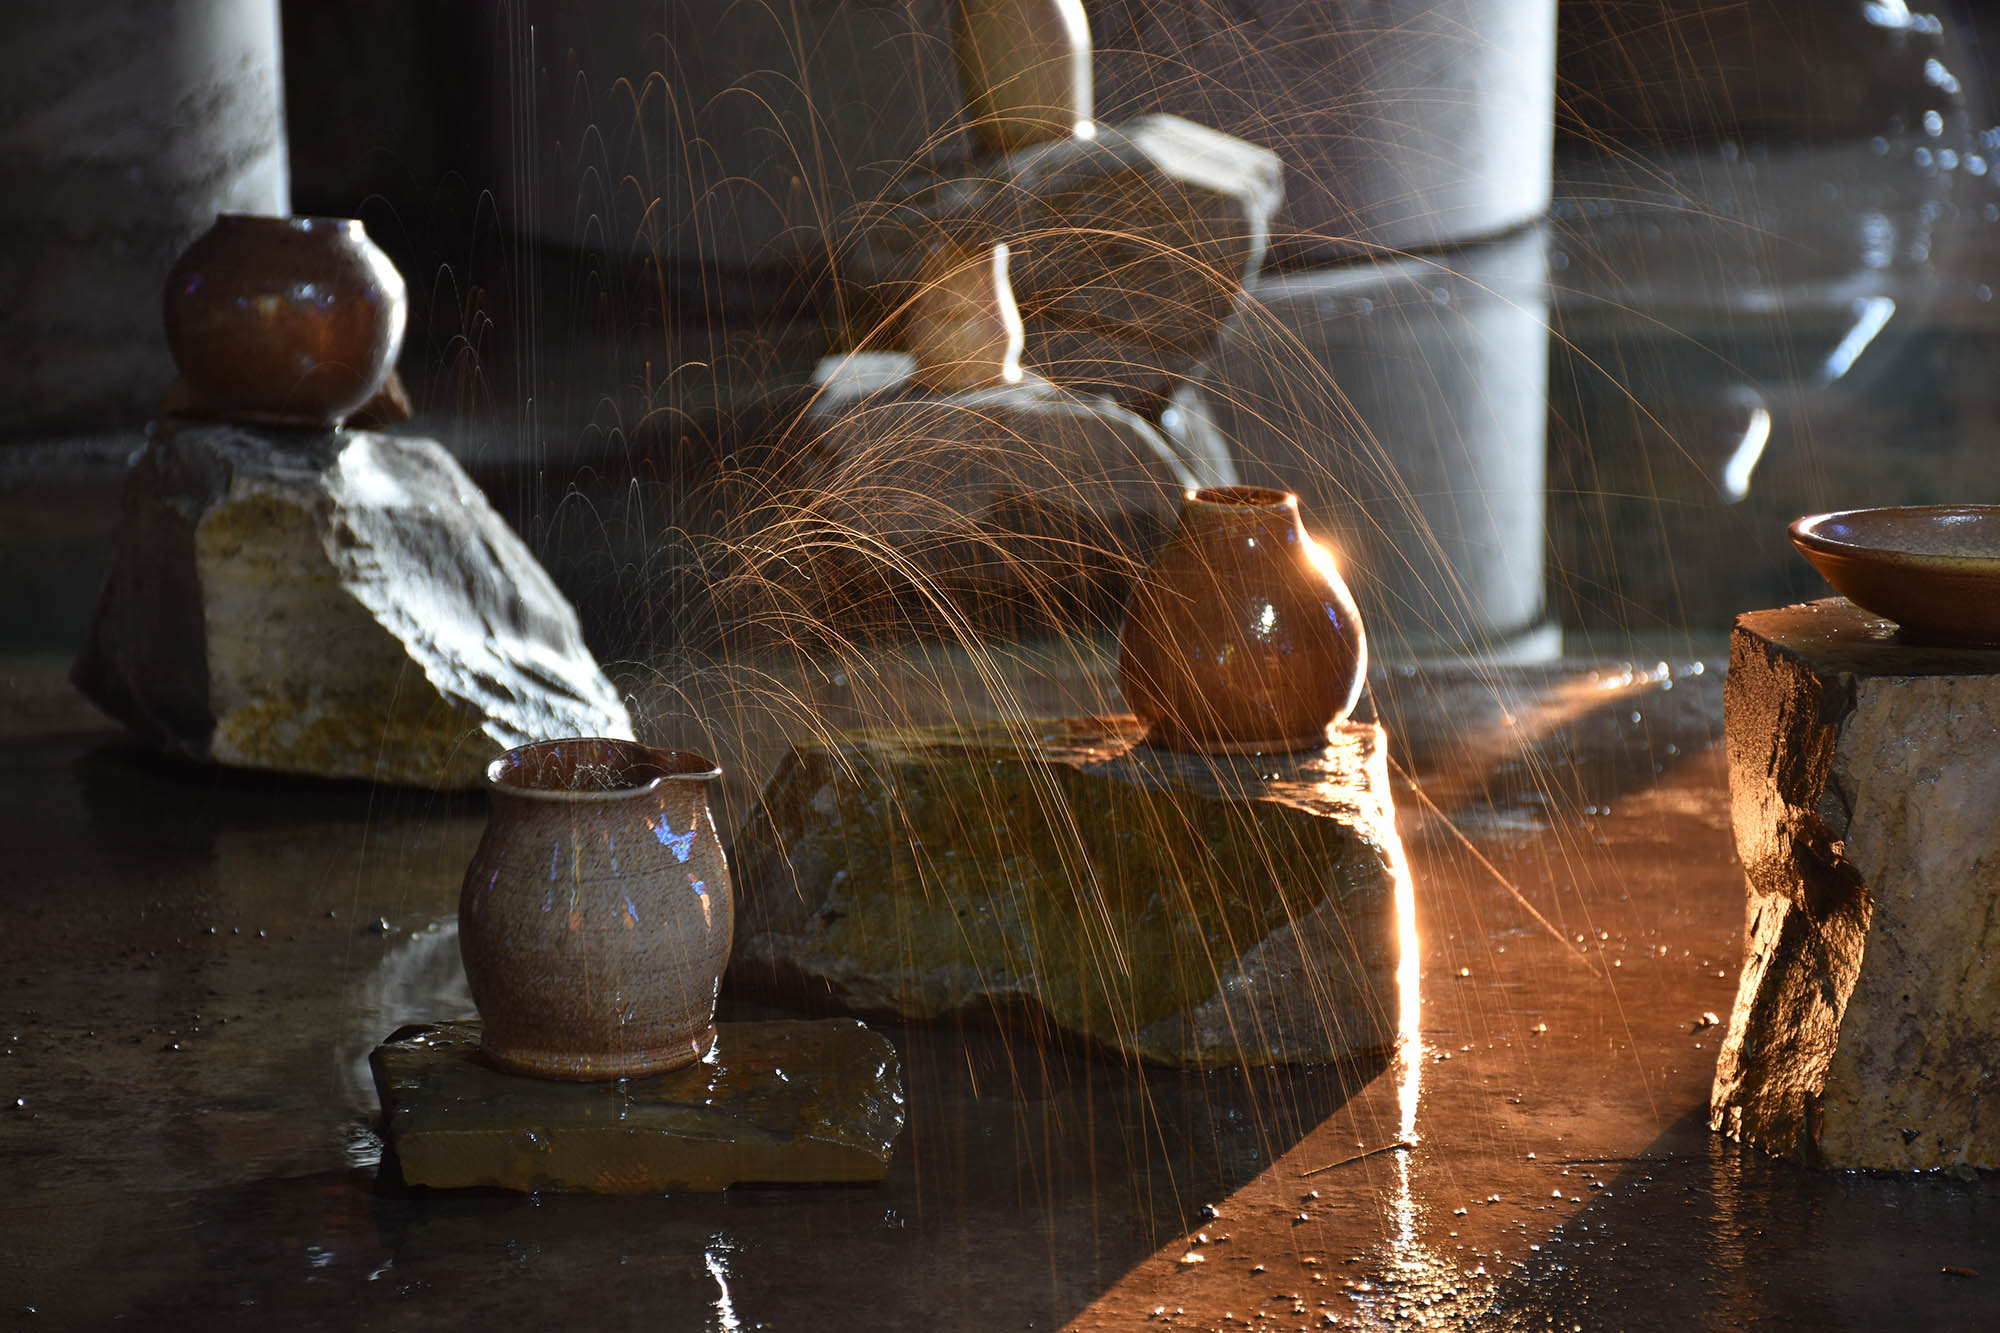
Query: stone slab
x=1183 y=909
x=333 y=603
x=902 y=506
x=775 y=1103
x=1146 y=232
x=1864 y=779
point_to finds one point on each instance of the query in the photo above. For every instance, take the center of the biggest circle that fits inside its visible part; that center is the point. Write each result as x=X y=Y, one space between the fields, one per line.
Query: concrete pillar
x=1402 y=123
x=129 y=124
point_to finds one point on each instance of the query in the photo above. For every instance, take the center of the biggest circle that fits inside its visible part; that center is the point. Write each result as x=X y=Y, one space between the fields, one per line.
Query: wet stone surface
x=1186 y=909
x=787 y=1102
x=334 y=603
x=1865 y=780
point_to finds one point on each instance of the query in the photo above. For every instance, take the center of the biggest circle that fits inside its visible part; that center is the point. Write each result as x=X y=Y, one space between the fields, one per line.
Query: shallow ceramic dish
x=1933 y=569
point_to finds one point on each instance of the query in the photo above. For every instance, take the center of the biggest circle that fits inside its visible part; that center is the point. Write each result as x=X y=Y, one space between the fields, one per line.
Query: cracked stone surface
x=783 y=1102
x=341 y=604
x=1184 y=909
x=1021 y=492
x=1865 y=785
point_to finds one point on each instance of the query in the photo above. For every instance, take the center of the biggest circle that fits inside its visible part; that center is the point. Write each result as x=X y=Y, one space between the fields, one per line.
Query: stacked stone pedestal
x=1142 y=234
x=906 y=511
x=1129 y=249
x=1865 y=784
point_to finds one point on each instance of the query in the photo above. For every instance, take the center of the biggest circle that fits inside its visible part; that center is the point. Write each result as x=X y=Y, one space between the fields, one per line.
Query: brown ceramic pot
x=596 y=916
x=1242 y=637
x=288 y=321
x=1024 y=66
x=963 y=328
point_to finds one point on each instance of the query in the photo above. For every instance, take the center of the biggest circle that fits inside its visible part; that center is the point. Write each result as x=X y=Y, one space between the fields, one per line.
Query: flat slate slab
x=1864 y=775
x=817 y=1102
x=1185 y=909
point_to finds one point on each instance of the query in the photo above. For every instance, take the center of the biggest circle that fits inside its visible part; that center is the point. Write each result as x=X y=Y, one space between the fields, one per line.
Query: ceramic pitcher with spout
x=596 y=916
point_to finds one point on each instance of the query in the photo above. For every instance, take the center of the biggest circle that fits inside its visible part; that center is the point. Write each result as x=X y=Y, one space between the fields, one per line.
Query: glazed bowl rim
x=708 y=771
x=1807 y=536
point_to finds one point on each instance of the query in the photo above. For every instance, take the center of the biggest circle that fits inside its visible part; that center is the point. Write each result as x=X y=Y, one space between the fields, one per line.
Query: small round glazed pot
x=285 y=321
x=1242 y=638
x=596 y=916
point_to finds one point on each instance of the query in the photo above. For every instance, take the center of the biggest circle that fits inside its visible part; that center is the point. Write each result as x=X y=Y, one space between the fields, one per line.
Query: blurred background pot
x=596 y=916
x=1242 y=637
x=288 y=321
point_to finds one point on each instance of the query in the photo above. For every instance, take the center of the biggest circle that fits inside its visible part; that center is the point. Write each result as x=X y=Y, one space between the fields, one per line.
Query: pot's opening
x=592 y=765
x=1241 y=497
x=289 y=221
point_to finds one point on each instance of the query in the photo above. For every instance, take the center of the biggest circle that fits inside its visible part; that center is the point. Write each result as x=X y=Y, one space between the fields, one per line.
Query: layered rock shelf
x=907 y=500
x=1864 y=776
x=1183 y=909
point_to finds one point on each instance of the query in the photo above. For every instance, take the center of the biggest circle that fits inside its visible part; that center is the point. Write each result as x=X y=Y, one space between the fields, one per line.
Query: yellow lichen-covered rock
x=1864 y=777
x=1185 y=909
x=340 y=604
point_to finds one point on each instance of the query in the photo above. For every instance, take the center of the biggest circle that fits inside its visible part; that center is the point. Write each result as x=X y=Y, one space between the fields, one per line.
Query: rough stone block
x=775 y=1103
x=1132 y=374
x=342 y=604
x=1184 y=909
x=1147 y=231
x=1021 y=493
x=1864 y=777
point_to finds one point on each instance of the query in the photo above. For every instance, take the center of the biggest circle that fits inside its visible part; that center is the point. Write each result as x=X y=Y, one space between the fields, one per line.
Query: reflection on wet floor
x=196 y=963
x=1560 y=1167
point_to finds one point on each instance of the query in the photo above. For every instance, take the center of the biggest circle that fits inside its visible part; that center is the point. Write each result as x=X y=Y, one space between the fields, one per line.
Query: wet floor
x=196 y=964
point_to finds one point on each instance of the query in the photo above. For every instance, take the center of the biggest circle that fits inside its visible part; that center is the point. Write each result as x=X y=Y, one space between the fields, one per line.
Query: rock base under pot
x=1864 y=775
x=776 y=1103
x=1185 y=909
x=334 y=603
